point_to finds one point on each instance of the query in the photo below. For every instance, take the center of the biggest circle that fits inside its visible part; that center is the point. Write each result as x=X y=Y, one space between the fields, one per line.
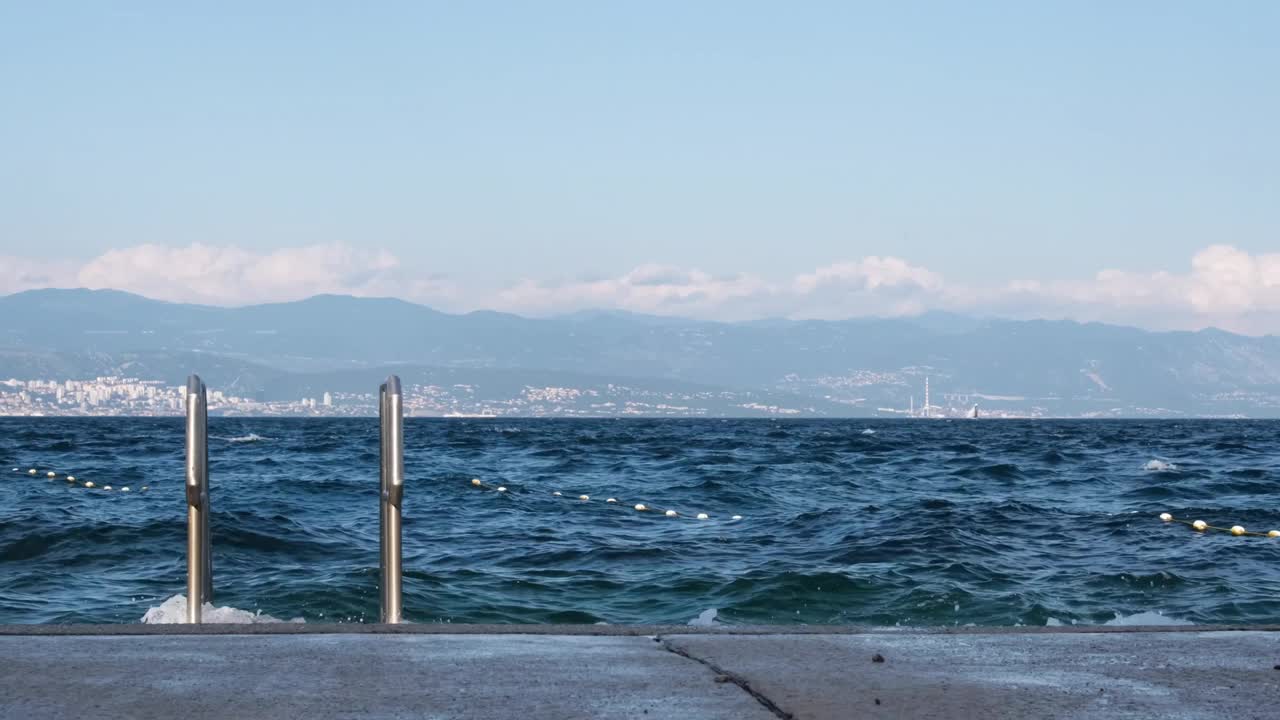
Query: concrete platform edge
x=596 y=630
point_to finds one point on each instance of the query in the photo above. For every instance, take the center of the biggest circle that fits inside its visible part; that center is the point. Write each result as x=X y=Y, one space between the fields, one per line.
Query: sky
x=727 y=160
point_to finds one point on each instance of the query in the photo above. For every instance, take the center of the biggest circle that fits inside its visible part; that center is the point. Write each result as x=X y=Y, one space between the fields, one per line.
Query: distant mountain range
x=851 y=367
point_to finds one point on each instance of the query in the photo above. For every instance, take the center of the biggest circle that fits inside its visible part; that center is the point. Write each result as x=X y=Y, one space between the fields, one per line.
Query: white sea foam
x=706 y=618
x=1147 y=617
x=251 y=437
x=174 y=611
x=868 y=431
x=1160 y=466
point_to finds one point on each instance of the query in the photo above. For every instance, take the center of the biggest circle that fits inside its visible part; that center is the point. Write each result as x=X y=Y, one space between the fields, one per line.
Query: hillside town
x=134 y=397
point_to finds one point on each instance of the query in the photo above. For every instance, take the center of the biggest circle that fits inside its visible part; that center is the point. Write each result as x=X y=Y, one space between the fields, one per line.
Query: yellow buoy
x=1199 y=525
x=671 y=513
x=584 y=497
x=1166 y=517
x=641 y=507
x=1237 y=529
x=703 y=516
x=475 y=481
x=1274 y=533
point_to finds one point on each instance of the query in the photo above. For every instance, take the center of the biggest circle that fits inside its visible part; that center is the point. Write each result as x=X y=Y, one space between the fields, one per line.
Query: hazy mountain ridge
x=852 y=366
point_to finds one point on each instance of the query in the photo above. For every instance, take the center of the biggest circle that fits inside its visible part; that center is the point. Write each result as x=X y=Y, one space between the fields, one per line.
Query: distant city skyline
x=1093 y=161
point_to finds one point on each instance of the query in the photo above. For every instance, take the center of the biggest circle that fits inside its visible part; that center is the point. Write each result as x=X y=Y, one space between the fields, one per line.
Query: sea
x=894 y=523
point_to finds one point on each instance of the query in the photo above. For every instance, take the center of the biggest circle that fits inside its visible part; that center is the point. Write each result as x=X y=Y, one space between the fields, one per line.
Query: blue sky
x=482 y=147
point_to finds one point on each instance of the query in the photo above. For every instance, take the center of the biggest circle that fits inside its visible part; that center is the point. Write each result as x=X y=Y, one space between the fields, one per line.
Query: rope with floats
x=638 y=507
x=1202 y=526
x=76 y=482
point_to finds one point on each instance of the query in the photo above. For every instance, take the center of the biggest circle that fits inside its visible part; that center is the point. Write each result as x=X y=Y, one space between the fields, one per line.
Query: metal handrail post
x=199 y=547
x=391 y=420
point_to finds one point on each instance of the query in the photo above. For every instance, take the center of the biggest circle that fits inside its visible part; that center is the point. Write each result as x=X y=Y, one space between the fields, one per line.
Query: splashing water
x=1160 y=466
x=706 y=618
x=174 y=611
x=1147 y=617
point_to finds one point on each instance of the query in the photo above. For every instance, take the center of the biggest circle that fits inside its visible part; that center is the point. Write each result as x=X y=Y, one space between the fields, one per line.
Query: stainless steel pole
x=199 y=548
x=391 y=416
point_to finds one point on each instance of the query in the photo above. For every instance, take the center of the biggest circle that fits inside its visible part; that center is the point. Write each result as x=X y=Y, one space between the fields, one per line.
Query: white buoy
x=703 y=516
x=1237 y=529
x=1274 y=533
x=71 y=478
x=501 y=489
x=737 y=517
x=475 y=481
x=641 y=507
x=51 y=474
x=671 y=513
x=556 y=493
x=16 y=470
x=124 y=489
x=32 y=471
x=88 y=483
x=1166 y=517
x=612 y=500
x=144 y=487
x=106 y=487
x=584 y=497
x=1200 y=525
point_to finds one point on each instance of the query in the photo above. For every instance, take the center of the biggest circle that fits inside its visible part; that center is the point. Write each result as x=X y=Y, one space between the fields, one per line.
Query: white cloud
x=1223 y=286
x=648 y=288
x=230 y=275
x=234 y=276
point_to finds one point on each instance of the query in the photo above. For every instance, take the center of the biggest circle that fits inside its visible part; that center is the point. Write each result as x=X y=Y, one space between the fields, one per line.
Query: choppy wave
x=920 y=524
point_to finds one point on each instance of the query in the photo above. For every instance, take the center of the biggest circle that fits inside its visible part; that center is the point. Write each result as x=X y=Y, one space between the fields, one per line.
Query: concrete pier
x=322 y=672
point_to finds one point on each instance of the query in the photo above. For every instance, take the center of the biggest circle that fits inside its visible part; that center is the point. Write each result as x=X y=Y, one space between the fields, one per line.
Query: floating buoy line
x=1202 y=526
x=73 y=481
x=614 y=502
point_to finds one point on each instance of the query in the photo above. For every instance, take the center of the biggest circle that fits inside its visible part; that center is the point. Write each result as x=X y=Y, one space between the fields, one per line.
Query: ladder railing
x=199 y=548
x=391 y=490
x=391 y=416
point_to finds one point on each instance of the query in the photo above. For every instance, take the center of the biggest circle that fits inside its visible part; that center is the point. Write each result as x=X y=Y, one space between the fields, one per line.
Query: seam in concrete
x=734 y=678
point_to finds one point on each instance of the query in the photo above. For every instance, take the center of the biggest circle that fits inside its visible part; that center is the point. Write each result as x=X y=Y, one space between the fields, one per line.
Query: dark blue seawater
x=854 y=522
